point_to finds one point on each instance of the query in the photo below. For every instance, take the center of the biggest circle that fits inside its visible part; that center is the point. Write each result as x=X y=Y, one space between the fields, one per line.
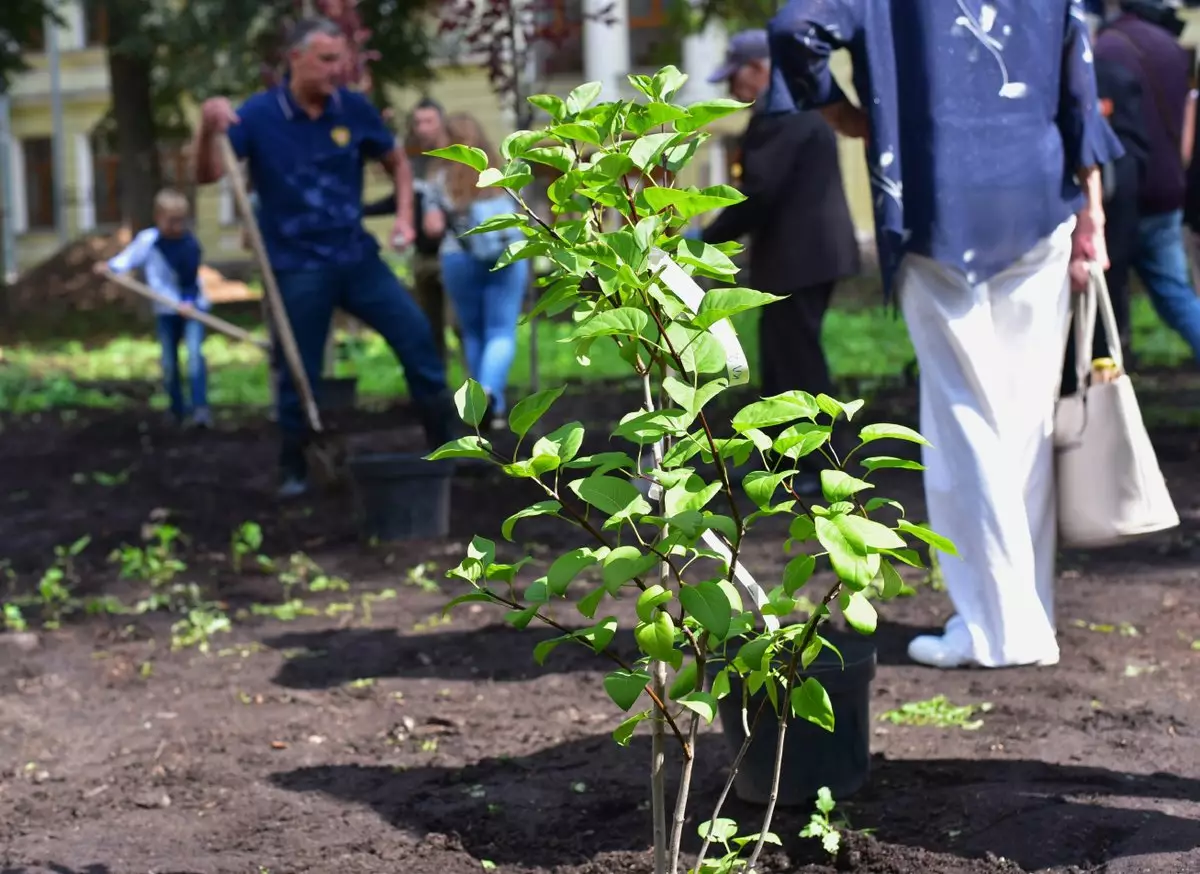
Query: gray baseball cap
x=744 y=48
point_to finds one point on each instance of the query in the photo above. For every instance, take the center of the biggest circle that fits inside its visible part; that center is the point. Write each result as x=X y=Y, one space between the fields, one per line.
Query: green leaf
x=520 y=619
x=571 y=132
x=699 y=350
x=622 y=321
x=703 y=703
x=599 y=635
x=561 y=158
x=932 y=538
x=516 y=143
x=708 y=605
x=685 y=681
x=722 y=303
x=691 y=202
x=667 y=82
x=490 y=178
x=589 y=604
x=852 y=567
x=471 y=446
x=778 y=410
x=691 y=495
x=753 y=653
x=474 y=158
x=810 y=701
x=801 y=439
x=884 y=462
x=834 y=408
x=839 y=485
x=527 y=412
x=798 y=572
x=646 y=150
x=893 y=584
x=541 y=508
x=650 y=600
x=471 y=401
x=567 y=567
x=583 y=97
x=624 y=732
x=657 y=638
x=604 y=462
x=865 y=535
x=468 y=598
x=691 y=398
x=553 y=106
x=708 y=111
x=881 y=431
x=802 y=529
x=762 y=485
x=706 y=259
x=879 y=503
x=496 y=223
x=859 y=612
x=609 y=495
x=562 y=443
x=625 y=687
x=542 y=651
x=719 y=830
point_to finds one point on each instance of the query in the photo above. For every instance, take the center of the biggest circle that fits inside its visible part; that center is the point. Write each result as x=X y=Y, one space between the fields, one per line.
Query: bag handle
x=1095 y=302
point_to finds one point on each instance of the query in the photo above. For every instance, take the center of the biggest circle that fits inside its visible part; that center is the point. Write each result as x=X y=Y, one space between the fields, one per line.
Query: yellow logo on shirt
x=341 y=136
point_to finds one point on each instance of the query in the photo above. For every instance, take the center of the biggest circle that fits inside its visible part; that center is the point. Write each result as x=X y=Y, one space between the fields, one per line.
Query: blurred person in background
x=426 y=131
x=1141 y=36
x=796 y=221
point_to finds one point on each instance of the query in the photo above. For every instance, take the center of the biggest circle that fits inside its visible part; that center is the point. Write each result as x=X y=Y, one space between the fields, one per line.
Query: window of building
x=653 y=43
x=95 y=23
x=561 y=38
x=38 y=157
x=174 y=160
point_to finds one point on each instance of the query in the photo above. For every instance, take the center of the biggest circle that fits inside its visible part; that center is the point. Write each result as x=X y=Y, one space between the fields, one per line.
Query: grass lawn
x=861 y=341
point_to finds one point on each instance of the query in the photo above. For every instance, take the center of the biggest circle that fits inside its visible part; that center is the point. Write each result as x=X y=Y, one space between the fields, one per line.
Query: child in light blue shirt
x=169 y=256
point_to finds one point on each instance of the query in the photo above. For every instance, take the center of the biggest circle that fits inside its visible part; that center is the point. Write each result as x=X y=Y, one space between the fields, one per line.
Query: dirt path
x=409 y=744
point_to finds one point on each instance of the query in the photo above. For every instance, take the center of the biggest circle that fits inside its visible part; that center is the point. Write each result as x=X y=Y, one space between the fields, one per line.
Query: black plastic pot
x=812 y=756
x=337 y=393
x=401 y=496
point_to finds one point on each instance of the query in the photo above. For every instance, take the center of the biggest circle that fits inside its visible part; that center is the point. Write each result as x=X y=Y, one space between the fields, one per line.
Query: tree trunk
x=130 y=75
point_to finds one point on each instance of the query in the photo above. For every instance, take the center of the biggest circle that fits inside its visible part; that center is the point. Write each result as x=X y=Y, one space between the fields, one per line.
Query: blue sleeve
x=1088 y=141
x=135 y=254
x=803 y=36
x=376 y=140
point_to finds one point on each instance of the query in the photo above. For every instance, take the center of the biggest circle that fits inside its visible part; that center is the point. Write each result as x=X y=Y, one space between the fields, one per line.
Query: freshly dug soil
x=403 y=742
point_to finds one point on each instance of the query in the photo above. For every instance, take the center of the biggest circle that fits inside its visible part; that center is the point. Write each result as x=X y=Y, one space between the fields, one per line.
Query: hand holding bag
x=1110 y=487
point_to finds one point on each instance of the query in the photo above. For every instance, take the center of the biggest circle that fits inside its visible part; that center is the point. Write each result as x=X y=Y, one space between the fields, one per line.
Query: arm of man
x=217 y=118
x=380 y=144
x=803 y=36
x=771 y=146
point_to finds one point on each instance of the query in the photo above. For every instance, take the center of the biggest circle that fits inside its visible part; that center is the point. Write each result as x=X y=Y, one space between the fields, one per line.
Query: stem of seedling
x=658 y=675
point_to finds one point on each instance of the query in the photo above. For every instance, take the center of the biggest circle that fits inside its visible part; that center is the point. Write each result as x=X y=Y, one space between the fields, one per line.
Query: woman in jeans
x=487 y=301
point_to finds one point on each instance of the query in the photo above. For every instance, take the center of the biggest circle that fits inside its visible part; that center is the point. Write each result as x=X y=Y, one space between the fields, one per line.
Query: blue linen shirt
x=308 y=175
x=981 y=113
x=144 y=254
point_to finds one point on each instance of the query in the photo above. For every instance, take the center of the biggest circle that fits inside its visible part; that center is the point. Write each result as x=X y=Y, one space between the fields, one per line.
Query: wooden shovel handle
x=283 y=327
x=217 y=324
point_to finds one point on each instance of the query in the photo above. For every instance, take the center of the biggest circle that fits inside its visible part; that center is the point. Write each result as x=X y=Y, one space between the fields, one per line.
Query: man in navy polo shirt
x=306 y=142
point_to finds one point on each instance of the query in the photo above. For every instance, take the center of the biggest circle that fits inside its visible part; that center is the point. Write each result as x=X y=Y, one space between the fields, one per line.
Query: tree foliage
x=19 y=20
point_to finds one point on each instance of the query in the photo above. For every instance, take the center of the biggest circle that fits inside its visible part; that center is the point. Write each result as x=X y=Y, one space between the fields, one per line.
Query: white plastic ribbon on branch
x=691 y=295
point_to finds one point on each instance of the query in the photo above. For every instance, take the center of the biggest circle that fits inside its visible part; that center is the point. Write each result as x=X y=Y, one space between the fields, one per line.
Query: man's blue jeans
x=488 y=305
x=1162 y=264
x=173 y=330
x=370 y=292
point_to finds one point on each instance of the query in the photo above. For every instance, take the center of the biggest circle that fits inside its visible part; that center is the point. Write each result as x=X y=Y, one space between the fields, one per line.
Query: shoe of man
x=952 y=649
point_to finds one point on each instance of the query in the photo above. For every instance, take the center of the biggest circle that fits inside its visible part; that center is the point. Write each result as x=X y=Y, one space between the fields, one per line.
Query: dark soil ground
x=391 y=740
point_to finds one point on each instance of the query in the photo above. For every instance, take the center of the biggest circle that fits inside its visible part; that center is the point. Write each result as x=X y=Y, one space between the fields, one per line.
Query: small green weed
x=938 y=712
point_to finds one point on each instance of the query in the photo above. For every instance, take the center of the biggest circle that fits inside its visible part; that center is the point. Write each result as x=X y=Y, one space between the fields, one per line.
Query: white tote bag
x=1110 y=487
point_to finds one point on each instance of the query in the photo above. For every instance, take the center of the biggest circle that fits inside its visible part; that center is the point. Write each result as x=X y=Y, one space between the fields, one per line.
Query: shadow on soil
x=584 y=797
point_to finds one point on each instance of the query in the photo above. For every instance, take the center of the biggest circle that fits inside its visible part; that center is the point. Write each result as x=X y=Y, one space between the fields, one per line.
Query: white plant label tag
x=691 y=294
x=738 y=369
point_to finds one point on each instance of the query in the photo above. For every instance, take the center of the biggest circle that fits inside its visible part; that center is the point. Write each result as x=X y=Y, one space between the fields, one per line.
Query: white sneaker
x=953 y=649
x=939 y=651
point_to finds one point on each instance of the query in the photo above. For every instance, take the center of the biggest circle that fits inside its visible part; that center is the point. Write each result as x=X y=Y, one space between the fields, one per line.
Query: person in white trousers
x=985 y=141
